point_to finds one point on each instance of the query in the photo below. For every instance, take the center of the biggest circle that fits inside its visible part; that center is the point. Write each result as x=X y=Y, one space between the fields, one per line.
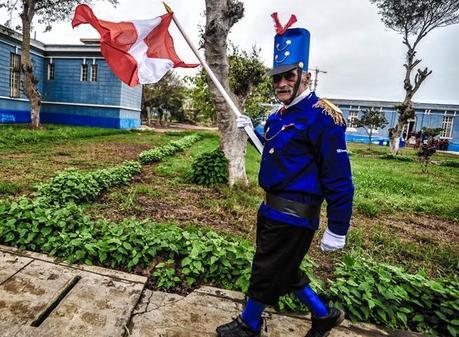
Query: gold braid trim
x=331 y=110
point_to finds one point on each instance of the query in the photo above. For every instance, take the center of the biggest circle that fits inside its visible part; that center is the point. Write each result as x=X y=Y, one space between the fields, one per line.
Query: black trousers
x=276 y=265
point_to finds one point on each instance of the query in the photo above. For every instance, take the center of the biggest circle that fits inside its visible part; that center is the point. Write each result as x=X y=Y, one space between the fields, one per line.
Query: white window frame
x=94 y=73
x=15 y=75
x=447 y=127
x=50 y=75
x=84 y=72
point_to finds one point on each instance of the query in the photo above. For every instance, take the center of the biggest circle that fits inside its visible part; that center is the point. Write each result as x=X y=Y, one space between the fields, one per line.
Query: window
x=50 y=71
x=93 y=72
x=352 y=116
x=447 y=127
x=15 y=74
x=84 y=73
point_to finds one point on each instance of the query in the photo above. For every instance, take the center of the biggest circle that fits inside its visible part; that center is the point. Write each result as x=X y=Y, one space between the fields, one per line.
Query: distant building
x=75 y=82
x=444 y=116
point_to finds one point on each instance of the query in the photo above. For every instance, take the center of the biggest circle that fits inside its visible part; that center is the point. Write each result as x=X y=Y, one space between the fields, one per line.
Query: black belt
x=293 y=208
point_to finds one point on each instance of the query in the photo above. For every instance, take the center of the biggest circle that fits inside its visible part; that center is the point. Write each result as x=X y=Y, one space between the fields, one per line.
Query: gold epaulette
x=331 y=110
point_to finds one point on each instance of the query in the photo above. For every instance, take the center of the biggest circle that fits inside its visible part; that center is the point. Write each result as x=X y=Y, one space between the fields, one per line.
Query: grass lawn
x=401 y=215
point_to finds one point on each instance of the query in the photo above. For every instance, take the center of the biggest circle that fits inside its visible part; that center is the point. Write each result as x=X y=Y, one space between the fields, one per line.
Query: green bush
x=210 y=168
x=65 y=232
x=165 y=275
x=386 y=295
x=158 y=153
x=37 y=225
x=72 y=185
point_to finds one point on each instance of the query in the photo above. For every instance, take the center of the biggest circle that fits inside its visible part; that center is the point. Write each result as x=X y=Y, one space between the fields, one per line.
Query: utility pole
x=316 y=75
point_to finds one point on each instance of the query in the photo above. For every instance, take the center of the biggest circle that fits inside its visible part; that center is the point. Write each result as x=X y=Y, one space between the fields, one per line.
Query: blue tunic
x=305 y=160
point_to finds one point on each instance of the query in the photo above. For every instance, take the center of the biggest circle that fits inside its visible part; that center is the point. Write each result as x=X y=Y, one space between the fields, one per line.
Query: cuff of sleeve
x=337 y=227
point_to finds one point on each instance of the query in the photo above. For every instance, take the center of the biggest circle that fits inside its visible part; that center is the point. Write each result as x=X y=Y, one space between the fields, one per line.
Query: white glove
x=331 y=241
x=242 y=121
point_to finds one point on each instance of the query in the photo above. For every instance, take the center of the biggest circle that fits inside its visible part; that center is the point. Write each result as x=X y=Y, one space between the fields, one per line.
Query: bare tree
x=221 y=15
x=414 y=20
x=48 y=12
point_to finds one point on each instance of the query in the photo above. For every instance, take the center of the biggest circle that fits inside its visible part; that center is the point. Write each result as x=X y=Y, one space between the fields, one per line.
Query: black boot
x=321 y=327
x=236 y=328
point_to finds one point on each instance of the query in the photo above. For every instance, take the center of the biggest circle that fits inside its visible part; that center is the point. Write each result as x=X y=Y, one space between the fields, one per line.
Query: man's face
x=284 y=85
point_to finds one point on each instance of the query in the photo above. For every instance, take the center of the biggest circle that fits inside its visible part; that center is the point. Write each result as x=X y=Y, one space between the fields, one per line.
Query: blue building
x=444 y=116
x=75 y=82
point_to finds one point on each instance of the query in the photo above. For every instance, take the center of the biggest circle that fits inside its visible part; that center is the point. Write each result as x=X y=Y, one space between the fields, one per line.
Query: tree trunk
x=221 y=15
x=406 y=110
x=30 y=81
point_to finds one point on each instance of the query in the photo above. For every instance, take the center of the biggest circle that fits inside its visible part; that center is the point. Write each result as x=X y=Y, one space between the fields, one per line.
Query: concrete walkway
x=42 y=297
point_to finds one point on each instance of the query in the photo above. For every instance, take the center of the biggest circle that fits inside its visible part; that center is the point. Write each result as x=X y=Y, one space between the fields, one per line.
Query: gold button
x=271 y=150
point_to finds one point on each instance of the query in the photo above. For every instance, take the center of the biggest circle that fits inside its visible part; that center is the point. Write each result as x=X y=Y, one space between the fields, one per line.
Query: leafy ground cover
x=402 y=218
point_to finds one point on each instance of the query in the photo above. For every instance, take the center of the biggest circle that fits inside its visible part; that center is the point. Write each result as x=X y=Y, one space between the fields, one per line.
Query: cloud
x=363 y=59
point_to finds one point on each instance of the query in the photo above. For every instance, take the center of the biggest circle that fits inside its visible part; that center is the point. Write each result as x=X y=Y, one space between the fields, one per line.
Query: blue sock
x=312 y=301
x=252 y=314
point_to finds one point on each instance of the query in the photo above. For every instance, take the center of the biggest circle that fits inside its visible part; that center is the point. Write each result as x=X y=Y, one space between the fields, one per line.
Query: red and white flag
x=138 y=51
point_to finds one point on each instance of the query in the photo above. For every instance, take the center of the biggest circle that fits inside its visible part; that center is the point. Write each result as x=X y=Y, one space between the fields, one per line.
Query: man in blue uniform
x=304 y=162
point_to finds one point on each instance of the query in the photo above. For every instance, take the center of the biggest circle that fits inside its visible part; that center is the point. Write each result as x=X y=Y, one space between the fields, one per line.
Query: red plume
x=279 y=29
x=277 y=23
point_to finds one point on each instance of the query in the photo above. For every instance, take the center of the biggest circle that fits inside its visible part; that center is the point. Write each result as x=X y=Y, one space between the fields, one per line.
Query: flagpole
x=256 y=142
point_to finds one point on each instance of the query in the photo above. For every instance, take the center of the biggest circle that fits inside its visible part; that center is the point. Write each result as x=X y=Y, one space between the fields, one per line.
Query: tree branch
x=419 y=78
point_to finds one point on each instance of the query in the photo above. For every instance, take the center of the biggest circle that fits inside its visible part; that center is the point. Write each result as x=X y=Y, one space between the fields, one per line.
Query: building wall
x=131 y=97
x=68 y=87
x=16 y=110
x=432 y=119
x=84 y=116
x=66 y=99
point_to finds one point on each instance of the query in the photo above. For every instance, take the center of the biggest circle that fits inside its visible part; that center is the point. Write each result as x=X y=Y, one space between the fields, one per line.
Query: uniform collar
x=305 y=94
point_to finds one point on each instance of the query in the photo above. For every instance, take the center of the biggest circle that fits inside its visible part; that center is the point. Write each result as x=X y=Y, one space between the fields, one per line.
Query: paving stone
x=96 y=306
x=27 y=293
x=11 y=264
x=100 y=303
x=199 y=313
x=93 y=269
x=108 y=303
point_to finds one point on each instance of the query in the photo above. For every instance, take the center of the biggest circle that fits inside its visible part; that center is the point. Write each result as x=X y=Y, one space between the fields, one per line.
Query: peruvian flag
x=138 y=51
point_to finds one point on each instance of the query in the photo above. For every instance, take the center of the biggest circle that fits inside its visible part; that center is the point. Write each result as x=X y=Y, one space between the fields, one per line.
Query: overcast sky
x=363 y=59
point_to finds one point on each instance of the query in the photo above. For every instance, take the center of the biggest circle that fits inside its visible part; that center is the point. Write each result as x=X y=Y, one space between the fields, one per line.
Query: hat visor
x=281 y=69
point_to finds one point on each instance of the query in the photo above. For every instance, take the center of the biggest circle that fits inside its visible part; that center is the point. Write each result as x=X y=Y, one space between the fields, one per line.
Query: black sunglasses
x=289 y=76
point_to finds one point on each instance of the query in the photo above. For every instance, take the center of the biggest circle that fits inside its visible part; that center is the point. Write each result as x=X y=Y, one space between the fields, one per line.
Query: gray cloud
x=362 y=57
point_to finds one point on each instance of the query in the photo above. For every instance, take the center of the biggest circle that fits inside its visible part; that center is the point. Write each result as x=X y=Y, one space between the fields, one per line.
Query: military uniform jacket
x=305 y=160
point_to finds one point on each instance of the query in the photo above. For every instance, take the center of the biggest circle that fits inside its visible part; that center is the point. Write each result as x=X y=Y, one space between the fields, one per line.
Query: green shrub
x=165 y=275
x=384 y=294
x=158 y=153
x=210 y=168
x=37 y=225
x=72 y=185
